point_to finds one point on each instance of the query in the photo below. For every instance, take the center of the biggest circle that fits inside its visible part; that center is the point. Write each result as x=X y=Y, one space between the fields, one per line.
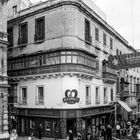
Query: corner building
x=57 y=68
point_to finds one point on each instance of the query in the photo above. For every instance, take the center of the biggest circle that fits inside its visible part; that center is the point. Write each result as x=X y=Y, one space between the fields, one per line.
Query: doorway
x=71 y=125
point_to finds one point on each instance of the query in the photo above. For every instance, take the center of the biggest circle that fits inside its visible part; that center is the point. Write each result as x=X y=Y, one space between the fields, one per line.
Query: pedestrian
x=109 y=132
x=118 y=130
x=79 y=136
x=70 y=135
x=40 y=128
x=13 y=135
x=103 y=128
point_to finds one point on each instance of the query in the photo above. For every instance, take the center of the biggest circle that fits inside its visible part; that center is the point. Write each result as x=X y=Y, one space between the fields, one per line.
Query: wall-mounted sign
x=71 y=96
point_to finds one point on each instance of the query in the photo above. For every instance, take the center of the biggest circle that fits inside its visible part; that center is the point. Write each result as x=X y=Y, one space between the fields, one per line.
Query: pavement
x=44 y=138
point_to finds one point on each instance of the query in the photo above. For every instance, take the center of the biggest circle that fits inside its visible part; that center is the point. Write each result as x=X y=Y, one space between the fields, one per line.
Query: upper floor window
x=97 y=95
x=105 y=95
x=117 y=52
x=40 y=94
x=10 y=37
x=88 y=95
x=111 y=43
x=104 y=39
x=96 y=34
x=15 y=9
x=39 y=29
x=23 y=95
x=87 y=31
x=23 y=33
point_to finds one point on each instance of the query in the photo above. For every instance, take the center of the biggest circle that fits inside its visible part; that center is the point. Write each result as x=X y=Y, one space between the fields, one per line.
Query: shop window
x=47 y=125
x=23 y=33
x=23 y=95
x=40 y=94
x=39 y=29
x=88 y=95
x=97 y=95
x=32 y=124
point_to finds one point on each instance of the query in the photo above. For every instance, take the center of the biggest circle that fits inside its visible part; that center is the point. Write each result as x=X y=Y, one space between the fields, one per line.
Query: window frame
x=38 y=37
x=97 y=34
x=23 y=38
x=97 y=98
x=88 y=98
x=23 y=101
x=39 y=101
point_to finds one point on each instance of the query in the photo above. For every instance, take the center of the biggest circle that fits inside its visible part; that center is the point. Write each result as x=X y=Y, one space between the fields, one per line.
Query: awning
x=125 y=106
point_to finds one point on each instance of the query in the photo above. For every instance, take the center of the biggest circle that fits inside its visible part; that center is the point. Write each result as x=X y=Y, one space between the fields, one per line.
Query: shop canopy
x=125 y=106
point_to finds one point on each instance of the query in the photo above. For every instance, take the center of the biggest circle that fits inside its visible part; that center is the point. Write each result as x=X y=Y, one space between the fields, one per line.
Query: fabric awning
x=125 y=106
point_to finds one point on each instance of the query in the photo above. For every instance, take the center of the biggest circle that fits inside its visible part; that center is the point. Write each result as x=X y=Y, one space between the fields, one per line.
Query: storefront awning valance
x=125 y=106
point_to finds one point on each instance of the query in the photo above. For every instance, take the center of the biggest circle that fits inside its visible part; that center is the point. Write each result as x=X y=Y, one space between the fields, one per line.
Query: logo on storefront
x=71 y=96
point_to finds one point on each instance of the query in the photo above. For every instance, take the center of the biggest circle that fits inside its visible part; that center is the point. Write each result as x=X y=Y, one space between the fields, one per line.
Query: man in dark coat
x=40 y=128
x=109 y=132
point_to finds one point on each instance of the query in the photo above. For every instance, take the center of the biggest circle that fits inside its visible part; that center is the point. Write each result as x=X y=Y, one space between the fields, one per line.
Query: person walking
x=40 y=128
x=79 y=136
x=118 y=128
x=13 y=135
x=109 y=132
x=70 y=135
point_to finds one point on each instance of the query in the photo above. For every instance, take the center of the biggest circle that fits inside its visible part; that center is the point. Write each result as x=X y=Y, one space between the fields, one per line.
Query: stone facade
x=3 y=74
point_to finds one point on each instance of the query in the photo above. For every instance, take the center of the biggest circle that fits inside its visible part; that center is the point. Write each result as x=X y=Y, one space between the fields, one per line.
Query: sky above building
x=123 y=16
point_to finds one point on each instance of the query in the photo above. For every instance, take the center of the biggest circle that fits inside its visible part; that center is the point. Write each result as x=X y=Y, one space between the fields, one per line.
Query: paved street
x=26 y=138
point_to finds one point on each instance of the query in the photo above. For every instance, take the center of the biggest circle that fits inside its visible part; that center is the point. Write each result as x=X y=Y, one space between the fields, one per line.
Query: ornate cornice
x=53 y=75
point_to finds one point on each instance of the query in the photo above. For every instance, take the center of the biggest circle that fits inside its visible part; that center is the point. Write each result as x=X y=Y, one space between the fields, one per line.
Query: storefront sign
x=71 y=96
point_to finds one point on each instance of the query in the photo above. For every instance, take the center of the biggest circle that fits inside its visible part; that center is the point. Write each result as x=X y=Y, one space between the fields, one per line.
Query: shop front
x=56 y=123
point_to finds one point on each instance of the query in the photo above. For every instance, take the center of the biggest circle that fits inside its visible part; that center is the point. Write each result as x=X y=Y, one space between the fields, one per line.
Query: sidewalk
x=44 y=138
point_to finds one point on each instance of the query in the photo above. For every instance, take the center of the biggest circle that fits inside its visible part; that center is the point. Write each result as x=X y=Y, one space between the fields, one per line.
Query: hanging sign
x=71 y=96
x=124 y=61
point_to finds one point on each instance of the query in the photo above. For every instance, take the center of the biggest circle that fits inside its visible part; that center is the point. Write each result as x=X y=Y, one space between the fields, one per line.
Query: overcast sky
x=123 y=16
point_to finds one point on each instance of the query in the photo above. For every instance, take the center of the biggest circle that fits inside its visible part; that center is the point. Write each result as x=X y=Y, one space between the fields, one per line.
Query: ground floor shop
x=57 y=122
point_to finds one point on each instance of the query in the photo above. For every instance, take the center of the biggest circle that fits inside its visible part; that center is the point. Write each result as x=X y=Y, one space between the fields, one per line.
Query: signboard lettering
x=71 y=96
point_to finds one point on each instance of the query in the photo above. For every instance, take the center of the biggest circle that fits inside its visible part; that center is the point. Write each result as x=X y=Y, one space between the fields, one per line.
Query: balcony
x=12 y=99
x=109 y=75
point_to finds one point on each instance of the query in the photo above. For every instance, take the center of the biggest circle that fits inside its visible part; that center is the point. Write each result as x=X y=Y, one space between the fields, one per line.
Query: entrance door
x=71 y=125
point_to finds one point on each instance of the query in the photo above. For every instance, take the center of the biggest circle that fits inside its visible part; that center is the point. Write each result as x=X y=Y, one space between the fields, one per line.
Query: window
x=47 y=125
x=117 y=52
x=104 y=39
x=111 y=43
x=24 y=95
x=105 y=95
x=87 y=31
x=40 y=95
x=39 y=29
x=23 y=33
x=15 y=9
x=88 y=96
x=32 y=124
x=112 y=96
x=10 y=37
x=97 y=95
x=96 y=34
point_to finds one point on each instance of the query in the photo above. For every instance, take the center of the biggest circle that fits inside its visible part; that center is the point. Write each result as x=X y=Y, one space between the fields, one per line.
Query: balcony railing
x=88 y=100
x=97 y=101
